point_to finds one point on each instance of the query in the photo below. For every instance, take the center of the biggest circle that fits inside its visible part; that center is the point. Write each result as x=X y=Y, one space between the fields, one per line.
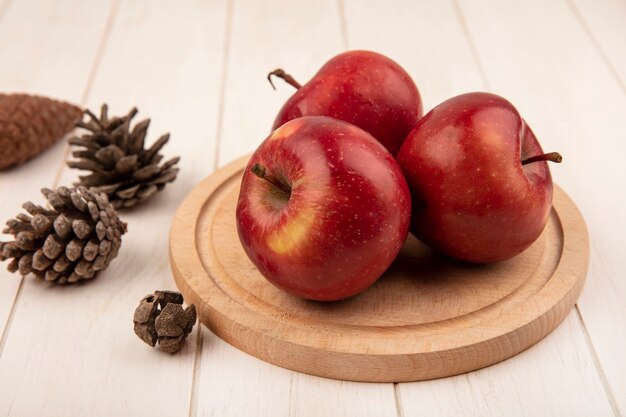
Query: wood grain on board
x=424 y=318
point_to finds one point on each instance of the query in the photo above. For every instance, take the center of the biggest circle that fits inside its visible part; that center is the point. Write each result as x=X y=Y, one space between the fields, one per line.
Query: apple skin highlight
x=364 y=88
x=337 y=218
x=473 y=200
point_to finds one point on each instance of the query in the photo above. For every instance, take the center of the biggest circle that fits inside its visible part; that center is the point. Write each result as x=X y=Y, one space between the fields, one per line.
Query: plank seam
x=5 y=333
x=222 y=97
x=343 y=24
x=195 y=376
x=290 y=408
x=90 y=80
x=197 y=365
x=596 y=44
x=598 y=364
x=397 y=396
x=470 y=41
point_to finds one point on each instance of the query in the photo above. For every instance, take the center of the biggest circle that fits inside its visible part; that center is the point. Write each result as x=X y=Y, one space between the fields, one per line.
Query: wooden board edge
x=397 y=367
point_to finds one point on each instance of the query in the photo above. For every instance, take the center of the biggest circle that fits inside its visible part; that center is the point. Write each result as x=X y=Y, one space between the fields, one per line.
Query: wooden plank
x=291 y=35
x=299 y=37
x=233 y=383
x=74 y=346
x=442 y=61
x=313 y=396
x=40 y=53
x=425 y=38
x=604 y=24
x=518 y=386
x=567 y=93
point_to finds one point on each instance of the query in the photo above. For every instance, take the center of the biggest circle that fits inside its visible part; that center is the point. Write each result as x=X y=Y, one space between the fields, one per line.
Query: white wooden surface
x=197 y=68
x=39 y=47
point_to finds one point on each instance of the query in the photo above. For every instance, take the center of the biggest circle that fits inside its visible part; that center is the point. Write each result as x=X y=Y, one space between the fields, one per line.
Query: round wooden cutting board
x=426 y=317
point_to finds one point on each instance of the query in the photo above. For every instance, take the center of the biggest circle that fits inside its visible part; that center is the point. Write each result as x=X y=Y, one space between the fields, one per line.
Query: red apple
x=323 y=208
x=479 y=180
x=364 y=88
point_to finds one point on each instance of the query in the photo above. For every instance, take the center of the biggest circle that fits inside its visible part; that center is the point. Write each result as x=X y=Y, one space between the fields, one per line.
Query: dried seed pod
x=160 y=318
x=31 y=124
x=62 y=244
x=120 y=165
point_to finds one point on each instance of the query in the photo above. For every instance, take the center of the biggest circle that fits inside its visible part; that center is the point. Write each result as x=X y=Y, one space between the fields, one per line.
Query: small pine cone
x=74 y=240
x=31 y=124
x=120 y=165
x=160 y=318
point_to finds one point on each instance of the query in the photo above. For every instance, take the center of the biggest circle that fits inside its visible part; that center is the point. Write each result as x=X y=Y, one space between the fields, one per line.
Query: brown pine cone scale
x=73 y=240
x=160 y=318
x=31 y=124
x=120 y=165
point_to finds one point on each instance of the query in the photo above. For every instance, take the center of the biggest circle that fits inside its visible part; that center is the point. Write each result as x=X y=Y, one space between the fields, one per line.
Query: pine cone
x=74 y=240
x=31 y=124
x=160 y=317
x=120 y=166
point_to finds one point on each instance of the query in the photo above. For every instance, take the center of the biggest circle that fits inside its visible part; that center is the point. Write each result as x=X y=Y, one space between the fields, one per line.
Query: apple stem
x=280 y=73
x=550 y=156
x=260 y=171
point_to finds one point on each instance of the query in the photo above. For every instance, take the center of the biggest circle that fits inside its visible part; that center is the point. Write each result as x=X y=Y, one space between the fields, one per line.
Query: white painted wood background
x=197 y=68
